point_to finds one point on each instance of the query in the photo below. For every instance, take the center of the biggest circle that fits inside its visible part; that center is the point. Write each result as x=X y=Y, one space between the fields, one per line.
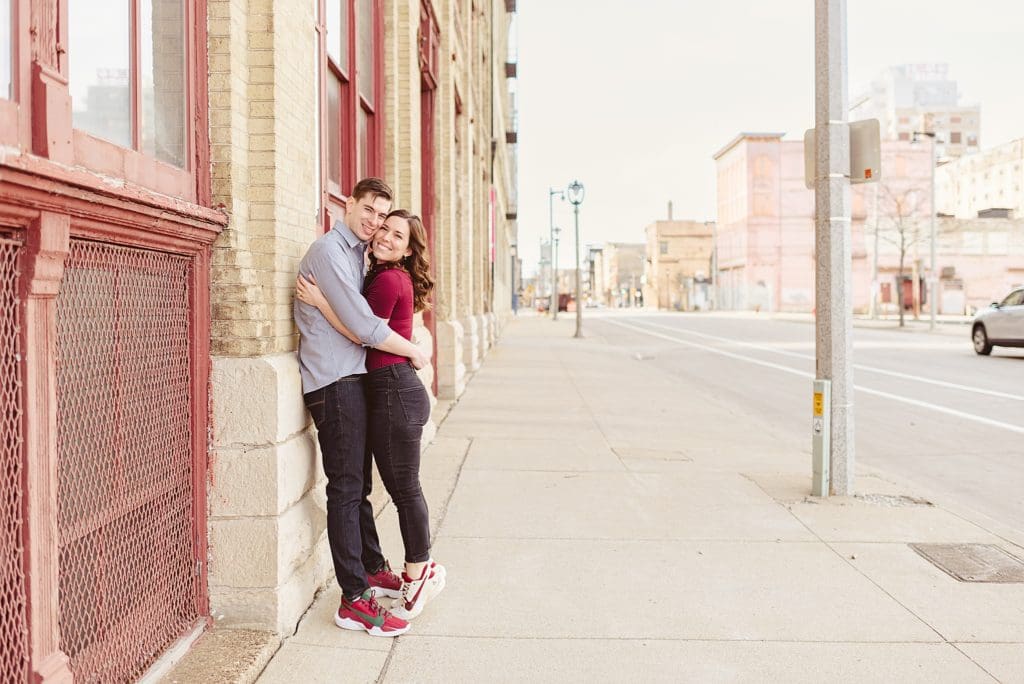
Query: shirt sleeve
x=383 y=293
x=336 y=280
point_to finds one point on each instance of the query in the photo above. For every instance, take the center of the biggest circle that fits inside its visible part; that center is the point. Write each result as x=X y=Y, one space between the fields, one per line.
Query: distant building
x=543 y=281
x=623 y=273
x=594 y=270
x=765 y=235
x=920 y=97
x=985 y=183
x=677 y=265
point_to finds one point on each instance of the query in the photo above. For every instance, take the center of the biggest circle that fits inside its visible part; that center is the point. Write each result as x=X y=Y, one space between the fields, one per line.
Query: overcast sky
x=634 y=97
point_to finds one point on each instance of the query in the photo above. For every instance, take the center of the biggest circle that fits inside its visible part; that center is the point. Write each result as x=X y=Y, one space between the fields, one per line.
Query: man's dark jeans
x=339 y=412
x=399 y=408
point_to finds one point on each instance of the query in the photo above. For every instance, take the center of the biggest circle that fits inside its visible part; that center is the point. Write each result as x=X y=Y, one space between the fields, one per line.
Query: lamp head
x=575 y=191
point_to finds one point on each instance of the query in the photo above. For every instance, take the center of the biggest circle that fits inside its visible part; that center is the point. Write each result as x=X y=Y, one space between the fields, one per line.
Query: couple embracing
x=359 y=382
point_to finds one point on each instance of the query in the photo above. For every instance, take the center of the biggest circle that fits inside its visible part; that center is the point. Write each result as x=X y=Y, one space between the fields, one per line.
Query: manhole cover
x=973 y=562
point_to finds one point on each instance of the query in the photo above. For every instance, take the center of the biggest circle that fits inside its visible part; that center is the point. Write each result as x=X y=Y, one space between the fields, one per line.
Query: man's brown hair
x=374 y=187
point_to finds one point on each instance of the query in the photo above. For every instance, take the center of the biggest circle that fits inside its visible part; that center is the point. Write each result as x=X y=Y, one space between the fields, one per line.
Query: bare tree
x=902 y=222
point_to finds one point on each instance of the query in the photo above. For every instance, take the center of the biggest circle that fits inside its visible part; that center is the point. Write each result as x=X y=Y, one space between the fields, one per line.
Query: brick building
x=765 y=235
x=677 y=267
x=983 y=183
x=163 y=166
x=622 y=274
x=920 y=97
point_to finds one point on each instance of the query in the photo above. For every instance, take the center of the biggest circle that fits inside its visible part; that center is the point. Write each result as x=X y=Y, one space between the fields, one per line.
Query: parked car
x=1000 y=325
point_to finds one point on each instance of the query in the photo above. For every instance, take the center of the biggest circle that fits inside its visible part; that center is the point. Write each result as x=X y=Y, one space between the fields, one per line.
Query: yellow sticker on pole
x=819 y=404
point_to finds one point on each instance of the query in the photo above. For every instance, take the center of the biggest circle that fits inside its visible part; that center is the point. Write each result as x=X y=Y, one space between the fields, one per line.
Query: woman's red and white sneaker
x=416 y=593
x=385 y=582
x=366 y=614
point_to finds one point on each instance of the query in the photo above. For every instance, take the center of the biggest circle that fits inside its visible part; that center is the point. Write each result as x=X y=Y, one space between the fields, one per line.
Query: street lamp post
x=933 y=277
x=554 y=249
x=575 y=191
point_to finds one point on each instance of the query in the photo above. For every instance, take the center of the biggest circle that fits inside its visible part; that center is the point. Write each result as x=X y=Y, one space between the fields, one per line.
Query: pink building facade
x=765 y=234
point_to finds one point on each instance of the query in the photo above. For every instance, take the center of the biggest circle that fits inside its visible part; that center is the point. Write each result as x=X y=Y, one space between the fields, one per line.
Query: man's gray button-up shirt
x=335 y=261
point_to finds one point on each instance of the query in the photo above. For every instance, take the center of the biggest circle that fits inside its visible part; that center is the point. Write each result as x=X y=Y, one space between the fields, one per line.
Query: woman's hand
x=307 y=291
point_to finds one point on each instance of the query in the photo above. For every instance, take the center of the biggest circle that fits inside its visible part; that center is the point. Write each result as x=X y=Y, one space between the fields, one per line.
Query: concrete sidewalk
x=596 y=528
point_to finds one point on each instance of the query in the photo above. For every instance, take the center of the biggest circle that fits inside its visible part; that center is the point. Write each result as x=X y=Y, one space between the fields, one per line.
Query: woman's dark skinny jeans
x=398 y=408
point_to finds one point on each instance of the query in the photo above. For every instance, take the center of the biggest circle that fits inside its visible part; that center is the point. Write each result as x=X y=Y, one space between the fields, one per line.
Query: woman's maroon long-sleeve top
x=389 y=293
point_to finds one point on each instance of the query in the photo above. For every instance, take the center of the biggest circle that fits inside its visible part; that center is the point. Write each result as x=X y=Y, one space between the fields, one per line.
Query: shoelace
x=376 y=608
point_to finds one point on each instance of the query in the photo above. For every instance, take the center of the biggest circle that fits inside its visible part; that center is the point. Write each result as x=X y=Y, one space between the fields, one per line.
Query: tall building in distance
x=921 y=97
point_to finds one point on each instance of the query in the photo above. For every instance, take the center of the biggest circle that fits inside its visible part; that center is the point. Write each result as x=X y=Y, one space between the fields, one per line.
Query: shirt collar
x=346 y=233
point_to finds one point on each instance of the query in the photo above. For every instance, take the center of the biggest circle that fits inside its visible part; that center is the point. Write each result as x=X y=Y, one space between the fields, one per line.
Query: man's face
x=365 y=215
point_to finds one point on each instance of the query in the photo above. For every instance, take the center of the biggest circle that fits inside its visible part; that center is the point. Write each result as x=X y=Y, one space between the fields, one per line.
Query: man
x=332 y=371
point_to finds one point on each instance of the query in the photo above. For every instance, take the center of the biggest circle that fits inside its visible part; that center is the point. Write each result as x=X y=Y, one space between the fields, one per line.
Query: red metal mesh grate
x=128 y=573
x=13 y=632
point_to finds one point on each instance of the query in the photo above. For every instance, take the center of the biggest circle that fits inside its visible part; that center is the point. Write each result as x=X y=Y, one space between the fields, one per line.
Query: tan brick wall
x=267 y=542
x=263 y=101
x=267 y=546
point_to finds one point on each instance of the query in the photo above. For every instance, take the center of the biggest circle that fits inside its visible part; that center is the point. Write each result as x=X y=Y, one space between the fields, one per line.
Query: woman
x=397 y=286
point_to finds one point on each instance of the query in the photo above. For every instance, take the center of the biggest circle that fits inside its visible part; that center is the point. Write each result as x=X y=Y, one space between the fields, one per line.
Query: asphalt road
x=927 y=408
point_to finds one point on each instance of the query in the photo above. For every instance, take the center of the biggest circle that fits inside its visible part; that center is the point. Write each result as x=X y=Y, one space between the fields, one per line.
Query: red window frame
x=132 y=164
x=345 y=128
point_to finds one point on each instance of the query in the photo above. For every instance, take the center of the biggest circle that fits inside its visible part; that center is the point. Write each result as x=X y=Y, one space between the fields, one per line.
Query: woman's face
x=391 y=241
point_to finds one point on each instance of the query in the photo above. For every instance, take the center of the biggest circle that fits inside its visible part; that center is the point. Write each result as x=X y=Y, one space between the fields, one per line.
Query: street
x=927 y=409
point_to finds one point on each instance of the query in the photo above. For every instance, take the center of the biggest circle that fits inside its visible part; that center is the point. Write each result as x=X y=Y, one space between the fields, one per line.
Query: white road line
x=768 y=364
x=857 y=366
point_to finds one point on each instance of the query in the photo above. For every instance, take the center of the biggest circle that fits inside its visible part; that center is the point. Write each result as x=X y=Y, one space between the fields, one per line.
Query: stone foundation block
x=256 y=401
x=451 y=370
x=471 y=343
x=262 y=481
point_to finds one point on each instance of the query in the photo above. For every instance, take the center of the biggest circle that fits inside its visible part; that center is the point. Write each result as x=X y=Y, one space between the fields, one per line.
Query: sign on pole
x=865 y=153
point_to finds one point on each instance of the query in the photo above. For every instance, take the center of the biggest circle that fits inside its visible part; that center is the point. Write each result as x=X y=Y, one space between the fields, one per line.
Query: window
x=663 y=247
x=163 y=68
x=972 y=140
x=129 y=75
x=352 y=77
x=1014 y=299
x=955 y=119
x=100 y=42
x=7 y=54
x=904 y=136
x=954 y=137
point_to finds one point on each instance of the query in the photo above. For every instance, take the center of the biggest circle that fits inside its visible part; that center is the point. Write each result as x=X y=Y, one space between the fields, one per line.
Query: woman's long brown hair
x=417 y=263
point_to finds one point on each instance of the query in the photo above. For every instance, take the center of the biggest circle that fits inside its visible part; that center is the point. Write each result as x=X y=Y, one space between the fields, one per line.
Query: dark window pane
x=162 y=62
x=6 y=50
x=365 y=42
x=337 y=32
x=333 y=134
x=98 y=57
x=364 y=146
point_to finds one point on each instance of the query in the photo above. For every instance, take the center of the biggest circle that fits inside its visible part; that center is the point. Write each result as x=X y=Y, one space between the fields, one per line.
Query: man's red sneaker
x=366 y=614
x=384 y=582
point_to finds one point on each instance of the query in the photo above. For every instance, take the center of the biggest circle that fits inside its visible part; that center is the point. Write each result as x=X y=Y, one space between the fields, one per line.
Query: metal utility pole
x=933 y=278
x=576 y=197
x=834 y=320
x=554 y=249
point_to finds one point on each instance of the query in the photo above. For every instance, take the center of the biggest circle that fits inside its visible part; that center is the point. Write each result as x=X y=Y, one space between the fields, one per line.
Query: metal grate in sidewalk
x=973 y=562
